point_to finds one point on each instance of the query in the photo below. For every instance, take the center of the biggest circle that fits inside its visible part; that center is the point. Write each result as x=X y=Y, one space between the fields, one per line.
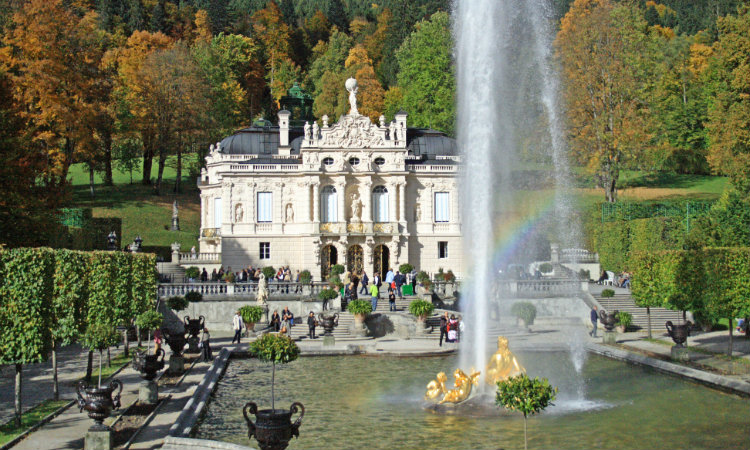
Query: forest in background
x=124 y=82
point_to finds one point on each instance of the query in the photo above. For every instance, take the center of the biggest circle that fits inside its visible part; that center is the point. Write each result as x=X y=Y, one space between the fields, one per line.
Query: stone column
x=341 y=197
x=392 y=202
x=252 y=198
x=402 y=202
x=316 y=202
x=365 y=195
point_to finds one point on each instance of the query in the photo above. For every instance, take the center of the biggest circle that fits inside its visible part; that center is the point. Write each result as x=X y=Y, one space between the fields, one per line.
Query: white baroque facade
x=369 y=196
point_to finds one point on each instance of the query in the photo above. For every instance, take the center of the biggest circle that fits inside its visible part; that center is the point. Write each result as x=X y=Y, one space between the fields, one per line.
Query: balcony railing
x=248 y=289
x=431 y=168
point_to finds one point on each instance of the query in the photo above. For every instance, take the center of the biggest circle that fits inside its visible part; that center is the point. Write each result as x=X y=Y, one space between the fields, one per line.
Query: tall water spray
x=505 y=83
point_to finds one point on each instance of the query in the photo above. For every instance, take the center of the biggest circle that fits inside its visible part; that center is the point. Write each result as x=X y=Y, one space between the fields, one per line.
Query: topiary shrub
x=335 y=282
x=359 y=307
x=193 y=296
x=177 y=303
x=229 y=277
x=608 y=293
x=192 y=272
x=449 y=276
x=546 y=268
x=421 y=308
x=337 y=269
x=624 y=319
x=269 y=272
x=584 y=274
x=526 y=395
x=405 y=268
x=525 y=311
x=305 y=277
x=251 y=313
x=274 y=348
x=327 y=294
x=422 y=276
x=100 y=336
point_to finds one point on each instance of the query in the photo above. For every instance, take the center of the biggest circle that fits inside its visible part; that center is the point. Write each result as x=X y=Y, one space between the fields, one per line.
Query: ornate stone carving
x=289 y=213
x=417 y=212
x=356 y=227
x=329 y=227
x=383 y=228
x=356 y=208
x=308 y=135
x=353 y=132
x=238 y=213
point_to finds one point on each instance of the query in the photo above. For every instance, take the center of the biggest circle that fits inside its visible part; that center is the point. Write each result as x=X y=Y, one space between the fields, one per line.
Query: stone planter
x=249 y=328
x=148 y=365
x=608 y=319
x=620 y=328
x=678 y=333
x=328 y=322
x=98 y=402
x=176 y=341
x=194 y=326
x=422 y=327
x=273 y=428
x=359 y=328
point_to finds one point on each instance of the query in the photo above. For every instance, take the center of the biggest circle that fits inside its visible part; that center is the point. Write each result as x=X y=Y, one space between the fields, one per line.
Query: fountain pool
x=358 y=402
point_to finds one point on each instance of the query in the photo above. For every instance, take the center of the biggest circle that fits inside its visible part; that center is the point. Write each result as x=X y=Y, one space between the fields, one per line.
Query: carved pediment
x=353 y=131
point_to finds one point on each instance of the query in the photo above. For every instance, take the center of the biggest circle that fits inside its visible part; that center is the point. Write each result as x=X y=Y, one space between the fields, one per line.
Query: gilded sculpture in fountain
x=501 y=366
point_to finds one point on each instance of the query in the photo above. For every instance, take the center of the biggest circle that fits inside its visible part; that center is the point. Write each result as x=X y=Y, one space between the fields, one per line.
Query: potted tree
x=326 y=296
x=425 y=284
x=97 y=400
x=360 y=309
x=525 y=312
x=193 y=297
x=251 y=315
x=421 y=309
x=305 y=279
x=624 y=320
x=192 y=273
x=526 y=395
x=273 y=428
x=145 y=362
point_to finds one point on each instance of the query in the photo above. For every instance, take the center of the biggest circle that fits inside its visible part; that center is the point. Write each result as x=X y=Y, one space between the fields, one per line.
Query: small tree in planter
x=276 y=349
x=269 y=272
x=608 y=293
x=150 y=320
x=360 y=308
x=251 y=315
x=337 y=269
x=229 y=277
x=424 y=280
x=624 y=320
x=526 y=395
x=100 y=336
x=192 y=272
x=421 y=309
x=405 y=268
x=546 y=268
x=193 y=297
x=178 y=303
x=525 y=311
x=326 y=295
x=305 y=277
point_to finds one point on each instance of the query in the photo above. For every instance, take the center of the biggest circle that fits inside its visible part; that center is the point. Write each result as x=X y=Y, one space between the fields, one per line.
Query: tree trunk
x=55 y=387
x=91 y=178
x=109 y=358
x=160 y=173
x=648 y=316
x=525 y=435
x=107 y=137
x=273 y=380
x=100 y=370
x=126 y=342
x=90 y=366
x=138 y=334
x=731 y=337
x=148 y=158
x=179 y=170
x=18 y=394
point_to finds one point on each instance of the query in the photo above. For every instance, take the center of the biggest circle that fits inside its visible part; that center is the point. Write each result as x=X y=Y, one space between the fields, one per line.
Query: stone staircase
x=175 y=272
x=624 y=302
x=343 y=331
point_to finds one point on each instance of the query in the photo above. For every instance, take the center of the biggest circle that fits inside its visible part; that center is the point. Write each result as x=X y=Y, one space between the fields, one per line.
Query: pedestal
x=98 y=438
x=175 y=224
x=680 y=353
x=193 y=345
x=176 y=365
x=402 y=331
x=359 y=329
x=610 y=337
x=329 y=341
x=148 y=392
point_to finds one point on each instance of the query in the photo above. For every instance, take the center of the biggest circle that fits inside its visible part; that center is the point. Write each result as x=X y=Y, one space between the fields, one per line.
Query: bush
x=305 y=277
x=229 y=277
x=177 y=303
x=192 y=272
x=149 y=320
x=359 y=307
x=421 y=308
x=525 y=395
x=251 y=313
x=269 y=272
x=337 y=269
x=449 y=276
x=624 y=319
x=608 y=293
x=193 y=296
x=546 y=268
x=525 y=311
x=327 y=294
x=584 y=274
x=335 y=281
x=422 y=276
x=274 y=348
x=405 y=268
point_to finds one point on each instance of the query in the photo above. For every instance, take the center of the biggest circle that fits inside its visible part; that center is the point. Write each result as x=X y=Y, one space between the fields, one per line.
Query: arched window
x=328 y=204
x=380 y=204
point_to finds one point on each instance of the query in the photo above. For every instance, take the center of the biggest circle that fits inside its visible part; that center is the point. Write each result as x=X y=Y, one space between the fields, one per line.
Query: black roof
x=264 y=142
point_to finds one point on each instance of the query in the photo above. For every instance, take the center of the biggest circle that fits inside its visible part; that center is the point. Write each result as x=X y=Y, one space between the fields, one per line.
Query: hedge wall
x=71 y=295
x=145 y=282
x=102 y=305
x=26 y=289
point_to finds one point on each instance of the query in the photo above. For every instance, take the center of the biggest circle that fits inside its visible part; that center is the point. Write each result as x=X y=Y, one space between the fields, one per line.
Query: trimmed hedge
x=71 y=295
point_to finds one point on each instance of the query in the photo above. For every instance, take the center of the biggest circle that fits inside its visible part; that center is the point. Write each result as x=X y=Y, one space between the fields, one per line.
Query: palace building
x=366 y=195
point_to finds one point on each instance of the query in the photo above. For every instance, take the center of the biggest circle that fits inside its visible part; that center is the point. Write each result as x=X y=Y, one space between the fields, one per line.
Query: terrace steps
x=624 y=302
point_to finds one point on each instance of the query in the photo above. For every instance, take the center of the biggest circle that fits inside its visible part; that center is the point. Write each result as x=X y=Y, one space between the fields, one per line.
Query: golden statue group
x=501 y=366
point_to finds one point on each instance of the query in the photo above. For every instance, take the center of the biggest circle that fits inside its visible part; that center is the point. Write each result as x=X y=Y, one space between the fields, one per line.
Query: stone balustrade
x=249 y=289
x=188 y=257
x=431 y=168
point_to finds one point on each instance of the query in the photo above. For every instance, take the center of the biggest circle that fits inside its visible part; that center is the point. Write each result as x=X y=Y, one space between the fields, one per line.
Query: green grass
x=142 y=212
x=116 y=363
x=29 y=419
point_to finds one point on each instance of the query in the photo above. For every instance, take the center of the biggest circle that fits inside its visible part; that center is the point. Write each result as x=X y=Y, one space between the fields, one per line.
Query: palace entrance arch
x=354 y=259
x=328 y=257
x=381 y=260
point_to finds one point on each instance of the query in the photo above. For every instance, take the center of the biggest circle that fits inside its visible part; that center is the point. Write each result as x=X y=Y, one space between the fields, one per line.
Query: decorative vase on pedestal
x=273 y=428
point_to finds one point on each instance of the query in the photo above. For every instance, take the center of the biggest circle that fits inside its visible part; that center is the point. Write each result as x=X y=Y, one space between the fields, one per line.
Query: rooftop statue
x=351 y=86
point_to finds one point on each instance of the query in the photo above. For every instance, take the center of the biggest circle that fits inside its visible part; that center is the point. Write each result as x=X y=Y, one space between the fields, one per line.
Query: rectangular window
x=217 y=213
x=265 y=250
x=442 y=250
x=265 y=207
x=442 y=207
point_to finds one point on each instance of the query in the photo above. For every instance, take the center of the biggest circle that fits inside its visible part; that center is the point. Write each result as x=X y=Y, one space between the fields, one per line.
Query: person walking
x=365 y=280
x=206 y=345
x=311 y=323
x=374 y=296
x=392 y=301
x=399 y=280
x=389 y=276
x=594 y=320
x=287 y=318
x=443 y=328
x=349 y=295
x=237 y=325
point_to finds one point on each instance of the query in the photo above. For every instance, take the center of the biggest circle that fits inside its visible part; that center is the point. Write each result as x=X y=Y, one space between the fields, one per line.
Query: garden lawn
x=29 y=419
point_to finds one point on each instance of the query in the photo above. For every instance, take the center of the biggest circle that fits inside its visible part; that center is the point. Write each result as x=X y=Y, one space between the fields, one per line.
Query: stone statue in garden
x=175 y=218
x=262 y=295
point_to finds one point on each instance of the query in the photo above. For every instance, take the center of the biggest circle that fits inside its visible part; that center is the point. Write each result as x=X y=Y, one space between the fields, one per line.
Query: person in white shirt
x=237 y=325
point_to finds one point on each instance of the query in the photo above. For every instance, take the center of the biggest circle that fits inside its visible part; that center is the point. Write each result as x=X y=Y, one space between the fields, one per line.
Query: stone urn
x=176 y=341
x=147 y=364
x=273 y=428
x=678 y=333
x=98 y=402
x=608 y=319
x=328 y=322
x=194 y=326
